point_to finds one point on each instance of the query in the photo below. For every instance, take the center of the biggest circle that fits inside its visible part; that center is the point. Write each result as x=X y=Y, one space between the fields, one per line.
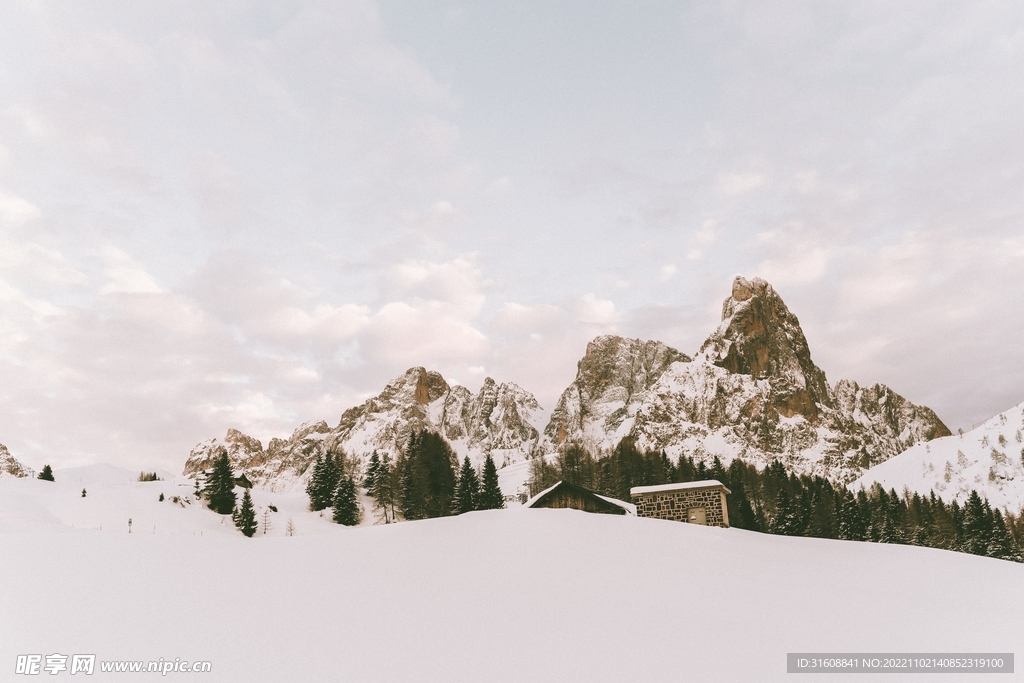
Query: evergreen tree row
x=331 y=485
x=774 y=500
x=427 y=481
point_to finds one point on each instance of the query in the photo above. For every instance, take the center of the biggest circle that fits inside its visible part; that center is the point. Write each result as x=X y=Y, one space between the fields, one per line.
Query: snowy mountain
x=752 y=391
x=9 y=467
x=501 y=419
x=988 y=459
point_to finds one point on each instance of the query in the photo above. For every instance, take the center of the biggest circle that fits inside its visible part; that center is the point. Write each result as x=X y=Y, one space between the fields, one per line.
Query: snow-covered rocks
x=501 y=420
x=752 y=391
x=9 y=467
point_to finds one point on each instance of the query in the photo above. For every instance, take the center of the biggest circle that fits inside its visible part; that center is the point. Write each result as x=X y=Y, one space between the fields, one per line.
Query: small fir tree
x=323 y=482
x=346 y=503
x=83 y=494
x=46 y=474
x=220 y=486
x=490 y=497
x=1000 y=544
x=245 y=518
x=372 y=471
x=467 y=489
x=383 y=491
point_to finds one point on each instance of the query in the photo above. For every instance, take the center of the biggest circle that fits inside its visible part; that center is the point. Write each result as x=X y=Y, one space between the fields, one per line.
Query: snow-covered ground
x=989 y=459
x=506 y=595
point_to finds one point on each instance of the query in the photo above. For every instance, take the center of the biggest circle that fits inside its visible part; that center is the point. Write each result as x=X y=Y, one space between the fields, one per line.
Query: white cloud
x=738 y=183
x=597 y=312
x=15 y=210
x=125 y=274
x=702 y=238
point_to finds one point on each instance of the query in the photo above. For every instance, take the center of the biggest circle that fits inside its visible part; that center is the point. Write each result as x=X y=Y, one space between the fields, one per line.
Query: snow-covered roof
x=706 y=484
x=628 y=507
x=529 y=503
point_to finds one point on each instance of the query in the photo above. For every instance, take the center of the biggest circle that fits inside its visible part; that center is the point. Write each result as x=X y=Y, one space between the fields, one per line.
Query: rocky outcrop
x=761 y=338
x=241 y=449
x=752 y=391
x=500 y=420
x=9 y=467
x=611 y=377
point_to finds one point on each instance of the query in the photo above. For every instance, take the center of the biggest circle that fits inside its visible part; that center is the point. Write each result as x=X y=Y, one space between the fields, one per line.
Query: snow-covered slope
x=989 y=459
x=114 y=495
x=501 y=419
x=9 y=467
x=507 y=595
x=752 y=391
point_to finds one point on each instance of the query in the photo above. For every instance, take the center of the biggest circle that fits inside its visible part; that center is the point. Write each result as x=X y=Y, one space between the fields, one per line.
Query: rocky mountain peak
x=11 y=467
x=760 y=337
x=501 y=420
x=611 y=373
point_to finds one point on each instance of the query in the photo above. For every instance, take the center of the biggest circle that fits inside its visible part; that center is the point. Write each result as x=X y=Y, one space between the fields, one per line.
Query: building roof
x=628 y=507
x=706 y=484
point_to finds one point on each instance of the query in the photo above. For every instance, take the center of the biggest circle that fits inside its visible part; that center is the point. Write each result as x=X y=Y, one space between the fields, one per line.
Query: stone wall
x=675 y=505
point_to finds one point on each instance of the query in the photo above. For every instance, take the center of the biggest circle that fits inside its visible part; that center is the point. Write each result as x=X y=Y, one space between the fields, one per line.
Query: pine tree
x=383 y=491
x=466 y=489
x=976 y=525
x=323 y=481
x=346 y=503
x=372 y=471
x=46 y=474
x=490 y=497
x=83 y=494
x=220 y=486
x=1000 y=544
x=426 y=475
x=245 y=517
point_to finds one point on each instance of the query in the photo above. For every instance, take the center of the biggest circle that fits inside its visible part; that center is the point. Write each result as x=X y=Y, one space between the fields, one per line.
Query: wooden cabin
x=567 y=495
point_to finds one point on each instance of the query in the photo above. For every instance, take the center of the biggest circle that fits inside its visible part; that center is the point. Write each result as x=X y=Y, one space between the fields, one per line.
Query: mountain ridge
x=751 y=391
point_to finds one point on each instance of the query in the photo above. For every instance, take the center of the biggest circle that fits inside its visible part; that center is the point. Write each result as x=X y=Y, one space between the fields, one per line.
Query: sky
x=253 y=214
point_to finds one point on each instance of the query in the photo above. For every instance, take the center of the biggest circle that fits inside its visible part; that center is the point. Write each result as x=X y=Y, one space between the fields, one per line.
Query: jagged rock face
x=760 y=337
x=501 y=420
x=9 y=467
x=240 y=449
x=885 y=413
x=751 y=392
x=613 y=372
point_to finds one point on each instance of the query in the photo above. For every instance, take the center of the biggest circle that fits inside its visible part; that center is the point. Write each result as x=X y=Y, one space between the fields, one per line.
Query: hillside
x=475 y=598
x=989 y=459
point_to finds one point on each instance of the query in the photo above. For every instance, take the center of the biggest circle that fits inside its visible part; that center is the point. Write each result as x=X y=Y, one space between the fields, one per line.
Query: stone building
x=567 y=495
x=696 y=502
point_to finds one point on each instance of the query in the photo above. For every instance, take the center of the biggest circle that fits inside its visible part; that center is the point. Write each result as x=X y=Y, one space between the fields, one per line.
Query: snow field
x=506 y=595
